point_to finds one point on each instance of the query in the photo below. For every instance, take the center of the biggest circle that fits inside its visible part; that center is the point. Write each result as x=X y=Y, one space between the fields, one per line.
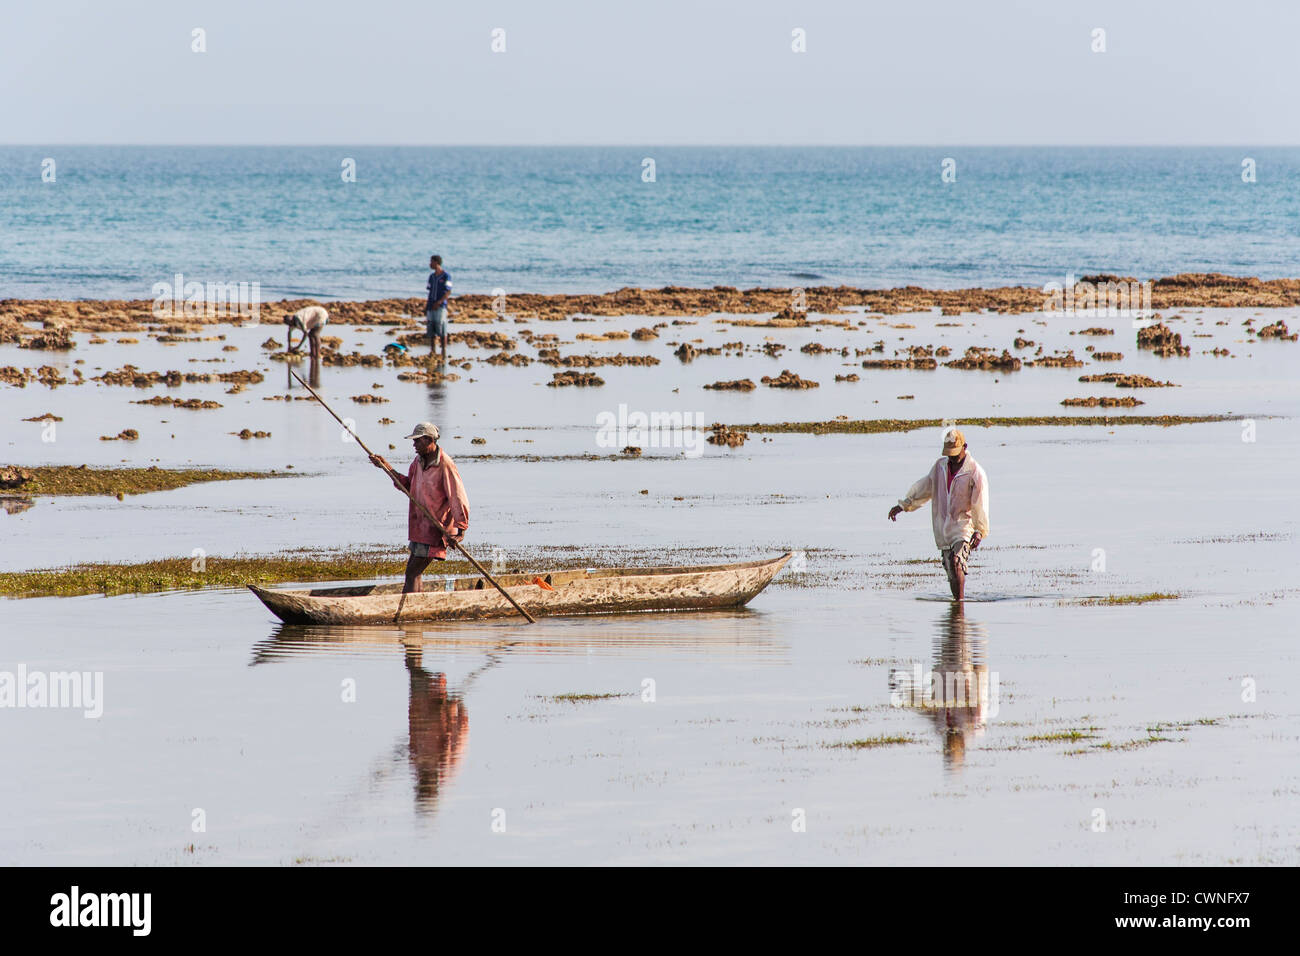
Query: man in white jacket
x=958 y=492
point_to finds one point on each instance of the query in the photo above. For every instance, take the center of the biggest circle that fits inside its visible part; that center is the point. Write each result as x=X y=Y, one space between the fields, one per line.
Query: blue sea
x=115 y=220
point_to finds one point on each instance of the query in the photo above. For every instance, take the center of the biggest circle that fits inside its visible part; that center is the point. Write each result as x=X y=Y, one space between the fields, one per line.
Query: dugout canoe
x=590 y=591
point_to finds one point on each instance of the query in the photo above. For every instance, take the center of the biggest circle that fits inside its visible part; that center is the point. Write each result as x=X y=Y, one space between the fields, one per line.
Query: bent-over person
x=309 y=321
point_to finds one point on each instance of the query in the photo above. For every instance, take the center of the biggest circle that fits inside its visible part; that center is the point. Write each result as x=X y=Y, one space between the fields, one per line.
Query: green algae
x=868 y=743
x=84 y=480
x=167 y=574
x=1139 y=743
x=307 y=564
x=1065 y=735
x=875 y=426
x=1113 y=600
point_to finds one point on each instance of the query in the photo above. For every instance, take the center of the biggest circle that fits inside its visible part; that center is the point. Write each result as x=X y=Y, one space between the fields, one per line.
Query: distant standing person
x=309 y=321
x=958 y=492
x=434 y=481
x=435 y=307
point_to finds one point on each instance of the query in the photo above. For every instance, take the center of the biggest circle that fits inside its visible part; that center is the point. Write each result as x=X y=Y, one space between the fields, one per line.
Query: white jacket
x=957 y=511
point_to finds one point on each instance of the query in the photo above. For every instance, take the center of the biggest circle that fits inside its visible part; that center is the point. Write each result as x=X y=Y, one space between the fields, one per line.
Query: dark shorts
x=421 y=550
x=956 y=558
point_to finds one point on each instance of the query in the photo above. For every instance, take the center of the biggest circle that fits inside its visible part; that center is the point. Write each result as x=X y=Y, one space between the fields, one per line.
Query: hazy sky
x=664 y=72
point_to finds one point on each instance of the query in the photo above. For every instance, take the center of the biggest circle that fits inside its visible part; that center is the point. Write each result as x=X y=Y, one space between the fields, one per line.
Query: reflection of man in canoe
x=439 y=730
x=958 y=492
x=434 y=481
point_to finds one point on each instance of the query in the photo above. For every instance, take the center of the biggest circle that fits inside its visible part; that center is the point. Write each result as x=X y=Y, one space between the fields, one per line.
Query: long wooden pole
x=436 y=523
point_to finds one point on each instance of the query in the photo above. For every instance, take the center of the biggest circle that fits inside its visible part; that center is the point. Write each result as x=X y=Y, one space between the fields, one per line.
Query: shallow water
x=209 y=703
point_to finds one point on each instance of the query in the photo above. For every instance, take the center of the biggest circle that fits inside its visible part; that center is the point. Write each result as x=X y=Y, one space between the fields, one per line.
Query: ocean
x=106 y=222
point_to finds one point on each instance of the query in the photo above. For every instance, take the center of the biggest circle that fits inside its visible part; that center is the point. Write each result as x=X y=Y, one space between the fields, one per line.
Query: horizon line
x=647 y=145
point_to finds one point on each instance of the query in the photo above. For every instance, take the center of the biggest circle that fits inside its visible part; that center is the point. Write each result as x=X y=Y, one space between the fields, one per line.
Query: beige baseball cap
x=953 y=441
x=425 y=429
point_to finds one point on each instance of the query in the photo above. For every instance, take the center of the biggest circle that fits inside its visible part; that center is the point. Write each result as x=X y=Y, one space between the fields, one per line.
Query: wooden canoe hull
x=605 y=591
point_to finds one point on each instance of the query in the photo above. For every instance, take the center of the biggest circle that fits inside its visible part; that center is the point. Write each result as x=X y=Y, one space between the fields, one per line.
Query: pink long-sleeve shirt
x=957 y=507
x=439 y=488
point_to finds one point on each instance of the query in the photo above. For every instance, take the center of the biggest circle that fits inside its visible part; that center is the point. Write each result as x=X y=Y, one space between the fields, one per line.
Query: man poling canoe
x=434 y=482
x=958 y=492
x=449 y=534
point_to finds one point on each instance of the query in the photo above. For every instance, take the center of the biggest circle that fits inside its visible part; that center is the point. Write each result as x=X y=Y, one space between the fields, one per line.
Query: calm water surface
x=1137 y=713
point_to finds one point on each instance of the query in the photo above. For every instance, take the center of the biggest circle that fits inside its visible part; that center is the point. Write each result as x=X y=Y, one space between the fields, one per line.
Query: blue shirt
x=439 y=285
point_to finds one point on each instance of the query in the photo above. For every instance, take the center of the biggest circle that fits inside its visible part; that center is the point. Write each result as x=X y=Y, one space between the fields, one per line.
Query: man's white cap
x=425 y=429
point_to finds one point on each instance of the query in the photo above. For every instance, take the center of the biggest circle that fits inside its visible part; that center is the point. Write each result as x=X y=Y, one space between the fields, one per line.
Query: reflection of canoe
x=724 y=634
x=607 y=591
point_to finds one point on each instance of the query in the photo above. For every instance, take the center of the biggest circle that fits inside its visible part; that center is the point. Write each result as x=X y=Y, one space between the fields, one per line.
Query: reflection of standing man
x=961 y=705
x=959 y=695
x=439 y=730
x=958 y=492
x=435 y=306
